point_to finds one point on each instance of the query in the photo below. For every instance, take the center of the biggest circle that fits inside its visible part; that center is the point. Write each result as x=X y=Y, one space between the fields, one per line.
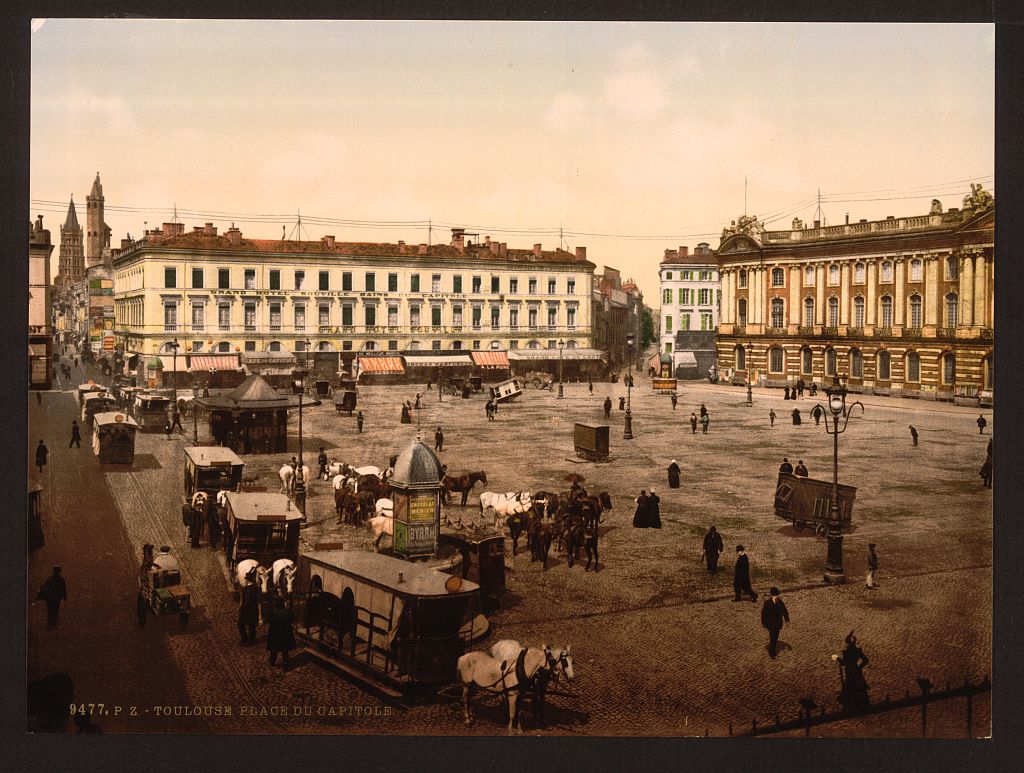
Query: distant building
x=690 y=302
x=97 y=235
x=618 y=318
x=71 y=259
x=40 y=328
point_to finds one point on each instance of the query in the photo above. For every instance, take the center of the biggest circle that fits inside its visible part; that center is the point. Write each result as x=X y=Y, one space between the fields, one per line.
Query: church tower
x=71 y=263
x=97 y=241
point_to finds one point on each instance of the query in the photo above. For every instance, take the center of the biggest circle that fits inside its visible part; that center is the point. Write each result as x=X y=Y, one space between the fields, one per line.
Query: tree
x=647 y=336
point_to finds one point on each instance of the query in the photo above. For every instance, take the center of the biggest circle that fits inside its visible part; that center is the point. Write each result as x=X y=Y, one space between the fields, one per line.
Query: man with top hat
x=741 y=576
x=773 y=613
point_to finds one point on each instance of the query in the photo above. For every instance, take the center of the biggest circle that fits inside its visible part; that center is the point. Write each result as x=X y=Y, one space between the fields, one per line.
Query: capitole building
x=901 y=306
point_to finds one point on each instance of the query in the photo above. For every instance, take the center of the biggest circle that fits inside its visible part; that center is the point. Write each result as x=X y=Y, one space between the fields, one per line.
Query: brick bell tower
x=97 y=233
x=71 y=265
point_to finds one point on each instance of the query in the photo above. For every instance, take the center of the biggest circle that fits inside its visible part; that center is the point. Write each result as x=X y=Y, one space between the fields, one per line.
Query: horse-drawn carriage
x=398 y=622
x=161 y=589
x=150 y=411
x=211 y=469
x=263 y=527
x=345 y=400
x=806 y=502
x=321 y=388
x=538 y=379
x=113 y=438
x=506 y=391
x=96 y=402
x=483 y=561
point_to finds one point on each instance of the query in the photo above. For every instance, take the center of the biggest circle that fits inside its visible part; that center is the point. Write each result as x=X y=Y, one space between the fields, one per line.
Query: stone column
x=820 y=273
x=844 y=293
x=900 y=267
x=980 y=291
x=795 y=282
x=871 y=299
x=967 y=291
x=729 y=296
x=931 y=294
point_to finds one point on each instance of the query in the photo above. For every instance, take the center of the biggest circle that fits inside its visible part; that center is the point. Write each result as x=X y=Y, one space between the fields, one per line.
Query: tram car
x=261 y=526
x=345 y=400
x=211 y=469
x=161 y=590
x=506 y=391
x=483 y=562
x=398 y=622
x=150 y=411
x=96 y=402
x=90 y=388
x=113 y=438
x=805 y=502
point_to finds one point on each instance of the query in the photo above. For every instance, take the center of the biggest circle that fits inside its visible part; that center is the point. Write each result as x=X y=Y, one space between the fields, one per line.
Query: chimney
x=423 y=249
x=581 y=253
x=209 y=230
x=234 y=236
x=847 y=218
x=197 y=229
x=155 y=236
x=537 y=250
x=459 y=239
x=401 y=247
x=487 y=240
x=494 y=246
x=669 y=253
x=863 y=220
x=890 y=217
x=683 y=251
x=329 y=241
x=503 y=249
x=817 y=224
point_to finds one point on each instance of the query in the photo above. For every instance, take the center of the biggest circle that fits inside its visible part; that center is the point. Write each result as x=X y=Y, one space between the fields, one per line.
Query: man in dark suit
x=607 y=407
x=248 y=613
x=712 y=549
x=773 y=613
x=785 y=466
x=741 y=576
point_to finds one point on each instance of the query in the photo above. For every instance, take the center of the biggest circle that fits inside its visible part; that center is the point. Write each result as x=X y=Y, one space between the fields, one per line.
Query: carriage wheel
x=141 y=610
x=820 y=530
x=183 y=619
x=798 y=525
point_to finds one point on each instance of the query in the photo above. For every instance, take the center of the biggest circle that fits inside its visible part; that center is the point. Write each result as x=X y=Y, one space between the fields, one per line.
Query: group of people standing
x=787 y=467
x=648 y=510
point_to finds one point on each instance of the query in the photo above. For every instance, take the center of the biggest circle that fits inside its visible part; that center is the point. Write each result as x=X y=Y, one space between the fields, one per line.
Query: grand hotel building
x=226 y=293
x=900 y=306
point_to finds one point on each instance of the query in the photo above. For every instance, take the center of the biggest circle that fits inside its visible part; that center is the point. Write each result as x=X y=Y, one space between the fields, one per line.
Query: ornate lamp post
x=561 y=346
x=627 y=430
x=174 y=376
x=836 y=394
x=750 y=381
x=300 y=481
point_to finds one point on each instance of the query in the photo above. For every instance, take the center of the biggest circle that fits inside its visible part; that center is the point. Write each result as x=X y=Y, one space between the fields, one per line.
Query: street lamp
x=561 y=346
x=627 y=430
x=300 y=481
x=174 y=376
x=836 y=394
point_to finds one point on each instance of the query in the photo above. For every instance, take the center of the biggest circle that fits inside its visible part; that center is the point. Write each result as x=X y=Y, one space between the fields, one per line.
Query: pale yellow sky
x=630 y=137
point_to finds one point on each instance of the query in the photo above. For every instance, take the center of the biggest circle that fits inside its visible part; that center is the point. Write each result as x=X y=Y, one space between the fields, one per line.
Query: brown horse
x=346 y=505
x=517 y=523
x=380 y=489
x=591 y=507
x=462 y=483
x=539 y=539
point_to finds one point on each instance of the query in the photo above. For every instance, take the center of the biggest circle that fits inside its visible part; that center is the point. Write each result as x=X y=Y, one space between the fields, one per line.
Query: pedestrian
x=854 y=694
x=248 y=612
x=195 y=525
x=429 y=387
x=206 y=391
x=359 y=421
x=590 y=386
x=406 y=418
x=608 y=407
x=800 y=387
x=786 y=467
x=622 y=403
x=653 y=510
x=872 y=567
x=786 y=396
x=981 y=425
x=913 y=433
x=693 y=423
x=167 y=429
x=213 y=521
x=489 y=409
x=53 y=591
x=176 y=422
x=76 y=362
x=703 y=411
x=713 y=548
x=986 y=472
x=800 y=470
x=675 y=399
x=773 y=613
x=280 y=634
x=704 y=421
x=42 y=452
x=771 y=417
x=796 y=417
x=321 y=461
x=640 y=516
x=741 y=576
x=673 y=474
x=417 y=401
x=439 y=440
x=816 y=413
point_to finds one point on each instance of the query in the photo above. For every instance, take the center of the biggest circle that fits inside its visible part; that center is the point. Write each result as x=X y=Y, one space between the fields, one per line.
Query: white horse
x=334 y=469
x=282 y=577
x=504 y=505
x=478 y=669
x=199 y=500
x=287 y=476
x=251 y=571
x=383 y=523
x=558 y=663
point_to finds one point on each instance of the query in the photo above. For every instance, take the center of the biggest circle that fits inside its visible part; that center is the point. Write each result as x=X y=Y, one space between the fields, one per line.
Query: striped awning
x=440 y=361
x=490 y=359
x=207 y=362
x=552 y=354
x=381 y=365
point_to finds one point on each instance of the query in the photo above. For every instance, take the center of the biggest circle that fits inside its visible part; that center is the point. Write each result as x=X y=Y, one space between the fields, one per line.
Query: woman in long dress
x=640 y=517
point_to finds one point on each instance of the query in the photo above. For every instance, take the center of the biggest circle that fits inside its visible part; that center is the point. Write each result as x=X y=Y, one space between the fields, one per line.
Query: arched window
x=833 y=275
x=456 y=345
x=533 y=345
x=830 y=362
x=858 y=311
x=949 y=368
x=325 y=346
x=833 y=312
x=168 y=348
x=884 y=364
x=224 y=346
x=568 y=345
x=808 y=312
x=743 y=278
x=778 y=312
x=886 y=304
x=778 y=277
x=414 y=346
x=951 y=309
x=370 y=346
x=806 y=361
x=776 y=360
x=856 y=363
x=886 y=271
x=915 y=270
x=915 y=310
x=741 y=311
x=913 y=367
x=858 y=273
x=741 y=358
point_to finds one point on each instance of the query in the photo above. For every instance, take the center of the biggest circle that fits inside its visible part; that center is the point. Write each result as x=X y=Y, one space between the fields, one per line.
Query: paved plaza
x=660 y=648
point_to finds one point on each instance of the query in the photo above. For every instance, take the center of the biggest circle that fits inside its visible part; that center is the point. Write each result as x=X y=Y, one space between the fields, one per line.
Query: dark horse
x=539 y=536
x=590 y=508
x=462 y=483
x=380 y=489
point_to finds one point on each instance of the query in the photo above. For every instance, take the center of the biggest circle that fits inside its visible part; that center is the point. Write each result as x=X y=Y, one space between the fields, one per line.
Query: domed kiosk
x=415 y=491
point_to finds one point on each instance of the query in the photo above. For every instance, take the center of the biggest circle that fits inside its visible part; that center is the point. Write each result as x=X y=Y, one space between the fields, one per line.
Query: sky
x=625 y=138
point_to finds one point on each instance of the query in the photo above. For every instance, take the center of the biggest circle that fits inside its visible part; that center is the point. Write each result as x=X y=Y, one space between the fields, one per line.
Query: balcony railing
x=912 y=332
x=883 y=332
x=830 y=332
x=776 y=330
x=806 y=330
x=947 y=332
x=170 y=328
x=856 y=331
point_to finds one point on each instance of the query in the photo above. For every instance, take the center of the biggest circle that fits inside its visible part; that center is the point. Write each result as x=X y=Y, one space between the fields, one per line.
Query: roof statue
x=936 y=207
x=745 y=224
x=979 y=198
x=798 y=224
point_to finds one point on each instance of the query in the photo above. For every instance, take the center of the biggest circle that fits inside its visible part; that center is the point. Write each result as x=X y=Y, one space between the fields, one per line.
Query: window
x=323 y=315
x=198 y=316
x=392 y=283
x=858 y=311
x=346 y=315
x=249 y=316
x=250 y=346
x=551 y=287
x=346 y=346
x=666 y=297
x=170 y=276
x=809 y=276
x=476 y=314
x=250 y=279
x=275 y=317
x=952 y=268
x=830 y=362
x=684 y=296
x=951 y=307
x=858 y=273
x=707 y=321
x=300 y=346
x=325 y=280
x=370 y=315
x=346 y=281
x=668 y=324
x=775 y=360
x=435 y=346
x=223 y=278
x=884 y=366
x=495 y=284
x=705 y=296
x=414 y=283
x=224 y=316
x=778 y=312
x=458 y=345
x=457 y=315
x=531 y=287
x=705 y=276
x=778 y=277
x=197 y=278
x=806 y=362
x=476 y=345
x=833 y=275
x=275 y=279
x=551 y=343
x=741 y=307
x=435 y=316
x=570 y=286
x=371 y=282
x=531 y=317
x=668 y=347
x=570 y=314
x=392 y=346
x=741 y=358
x=742 y=277
x=915 y=270
x=513 y=285
x=392 y=316
x=435 y=283
x=684 y=321
x=808 y=312
x=552 y=316
x=856 y=363
x=370 y=346
x=274 y=346
x=414 y=315
x=913 y=367
x=495 y=317
x=668 y=275
x=476 y=284
x=833 y=312
x=915 y=311
x=886 y=311
x=886 y=271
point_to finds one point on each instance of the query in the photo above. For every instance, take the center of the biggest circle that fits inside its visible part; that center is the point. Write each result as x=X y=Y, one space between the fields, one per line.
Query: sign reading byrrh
x=416 y=524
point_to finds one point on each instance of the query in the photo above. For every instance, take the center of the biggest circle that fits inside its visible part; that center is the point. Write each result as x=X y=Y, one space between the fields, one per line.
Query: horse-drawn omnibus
x=113 y=438
x=96 y=402
x=400 y=623
x=591 y=442
x=806 y=502
x=261 y=526
x=90 y=388
x=150 y=411
x=211 y=469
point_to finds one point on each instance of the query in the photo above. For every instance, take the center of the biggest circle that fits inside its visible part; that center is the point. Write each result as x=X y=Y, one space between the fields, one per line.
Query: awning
x=206 y=362
x=490 y=359
x=381 y=365
x=686 y=360
x=440 y=361
x=552 y=354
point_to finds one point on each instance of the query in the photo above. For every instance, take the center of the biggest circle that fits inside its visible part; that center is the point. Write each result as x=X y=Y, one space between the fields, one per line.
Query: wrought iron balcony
x=883 y=332
x=913 y=332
